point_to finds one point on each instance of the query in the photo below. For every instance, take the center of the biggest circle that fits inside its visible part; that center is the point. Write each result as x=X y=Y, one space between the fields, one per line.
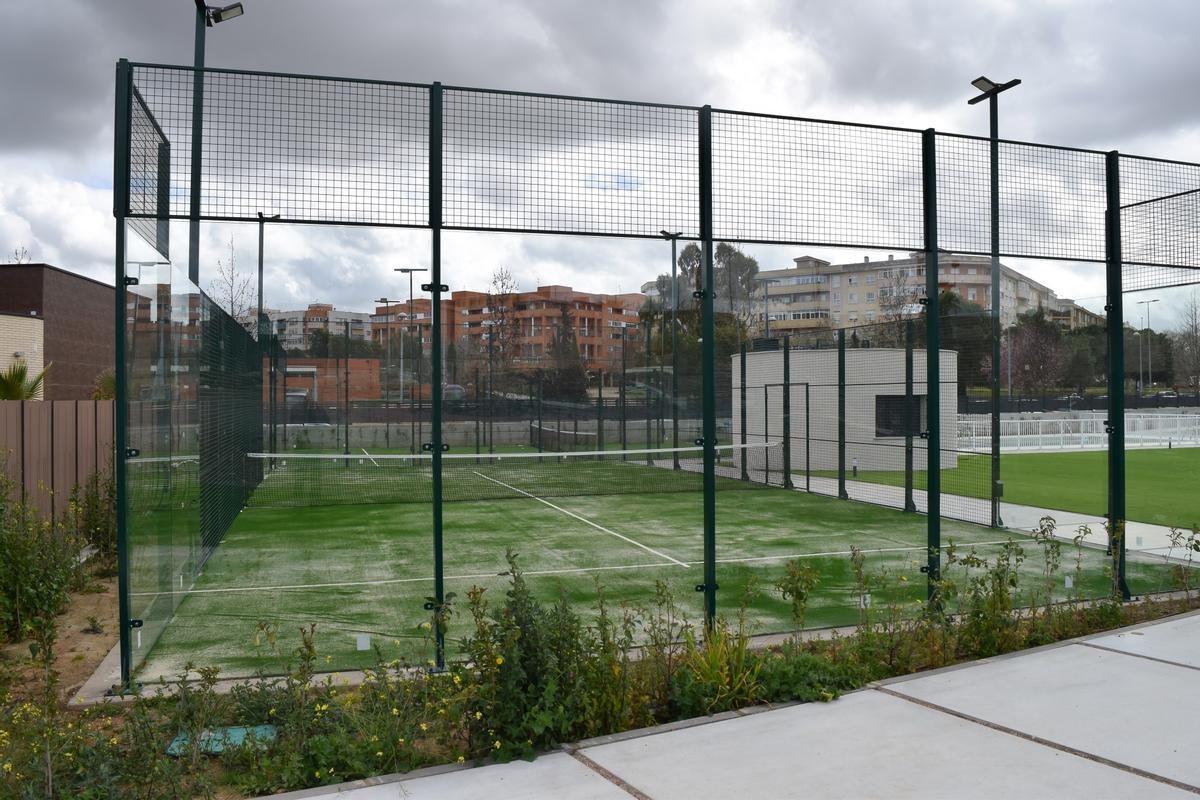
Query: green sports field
x=1162 y=485
x=321 y=548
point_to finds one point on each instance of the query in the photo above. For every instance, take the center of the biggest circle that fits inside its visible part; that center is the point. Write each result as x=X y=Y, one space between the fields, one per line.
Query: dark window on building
x=890 y=415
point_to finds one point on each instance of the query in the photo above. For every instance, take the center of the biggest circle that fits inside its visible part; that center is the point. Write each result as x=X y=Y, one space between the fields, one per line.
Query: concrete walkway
x=1111 y=715
x=1142 y=537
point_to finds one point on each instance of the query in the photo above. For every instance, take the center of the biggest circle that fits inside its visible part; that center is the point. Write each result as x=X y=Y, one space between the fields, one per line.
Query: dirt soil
x=77 y=653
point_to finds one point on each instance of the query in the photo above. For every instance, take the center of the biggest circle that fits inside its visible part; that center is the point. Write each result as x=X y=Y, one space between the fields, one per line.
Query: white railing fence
x=1081 y=433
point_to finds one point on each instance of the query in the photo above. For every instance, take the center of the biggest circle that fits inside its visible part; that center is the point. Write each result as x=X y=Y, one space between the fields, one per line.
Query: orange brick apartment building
x=600 y=321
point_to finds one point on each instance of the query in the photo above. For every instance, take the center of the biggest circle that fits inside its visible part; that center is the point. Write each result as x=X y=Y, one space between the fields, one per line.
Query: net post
x=124 y=79
x=787 y=413
x=741 y=414
x=476 y=414
x=841 y=401
x=708 y=359
x=1115 y=314
x=435 y=304
x=909 y=408
x=933 y=452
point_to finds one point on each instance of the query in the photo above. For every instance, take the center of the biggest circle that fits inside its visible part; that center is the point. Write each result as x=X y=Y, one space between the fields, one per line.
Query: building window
x=837 y=298
x=891 y=420
x=852 y=298
x=972 y=270
x=837 y=280
x=870 y=278
x=971 y=294
x=870 y=297
x=850 y=280
x=870 y=316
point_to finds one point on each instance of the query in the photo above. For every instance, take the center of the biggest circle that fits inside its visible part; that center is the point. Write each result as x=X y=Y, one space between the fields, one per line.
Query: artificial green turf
x=285 y=562
x=1162 y=485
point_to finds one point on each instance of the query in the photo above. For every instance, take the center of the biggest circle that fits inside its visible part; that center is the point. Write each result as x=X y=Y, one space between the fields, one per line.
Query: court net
x=559 y=439
x=292 y=480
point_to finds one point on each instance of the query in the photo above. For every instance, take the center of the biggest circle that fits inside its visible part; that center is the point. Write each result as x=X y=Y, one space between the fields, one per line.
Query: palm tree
x=15 y=383
x=105 y=387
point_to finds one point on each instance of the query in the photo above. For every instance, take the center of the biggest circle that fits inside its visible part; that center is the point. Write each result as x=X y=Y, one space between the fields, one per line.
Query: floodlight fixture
x=216 y=15
x=670 y=236
x=989 y=88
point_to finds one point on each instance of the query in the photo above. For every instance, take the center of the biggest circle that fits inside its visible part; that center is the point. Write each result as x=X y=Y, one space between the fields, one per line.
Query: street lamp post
x=990 y=91
x=412 y=420
x=674 y=239
x=262 y=322
x=1149 y=345
x=206 y=17
x=387 y=383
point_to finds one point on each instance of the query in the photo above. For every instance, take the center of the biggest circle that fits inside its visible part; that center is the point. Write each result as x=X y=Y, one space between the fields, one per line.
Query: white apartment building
x=294 y=327
x=816 y=294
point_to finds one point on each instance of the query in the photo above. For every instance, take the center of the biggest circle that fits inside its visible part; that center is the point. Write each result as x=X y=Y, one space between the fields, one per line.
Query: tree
x=1036 y=352
x=19 y=255
x=567 y=379
x=734 y=275
x=233 y=291
x=1185 y=341
x=505 y=331
x=15 y=383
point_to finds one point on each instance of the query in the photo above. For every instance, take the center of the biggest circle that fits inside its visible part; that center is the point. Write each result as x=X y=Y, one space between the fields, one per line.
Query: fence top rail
x=637 y=103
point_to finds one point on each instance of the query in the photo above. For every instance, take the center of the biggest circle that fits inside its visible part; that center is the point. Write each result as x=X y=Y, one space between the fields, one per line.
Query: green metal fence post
x=708 y=356
x=994 y=148
x=909 y=423
x=841 y=443
x=933 y=452
x=121 y=398
x=621 y=399
x=807 y=442
x=787 y=412
x=599 y=411
x=742 y=411
x=346 y=389
x=435 y=289
x=1115 y=423
x=646 y=402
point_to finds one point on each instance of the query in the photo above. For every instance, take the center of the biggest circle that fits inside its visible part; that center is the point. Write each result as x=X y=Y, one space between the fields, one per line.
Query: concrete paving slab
x=867 y=744
x=557 y=776
x=1133 y=711
x=1177 y=641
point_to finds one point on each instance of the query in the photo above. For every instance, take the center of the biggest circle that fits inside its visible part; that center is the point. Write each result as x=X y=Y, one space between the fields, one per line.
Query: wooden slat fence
x=48 y=448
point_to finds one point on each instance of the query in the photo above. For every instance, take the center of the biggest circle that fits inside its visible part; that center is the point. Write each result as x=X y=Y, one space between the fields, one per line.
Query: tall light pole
x=387 y=384
x=206 y=17
x=412 y=420
x=673 y=238
x=262 y=322
x=1149 y=343
x=990 y=91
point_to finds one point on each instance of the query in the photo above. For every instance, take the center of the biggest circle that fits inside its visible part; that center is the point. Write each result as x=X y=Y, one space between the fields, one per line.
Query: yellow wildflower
x=478 y=715
x=461 y=759
x=499 y=660
x=395 y=712
x=379 y=754
x=424 y=727
x=496 y=745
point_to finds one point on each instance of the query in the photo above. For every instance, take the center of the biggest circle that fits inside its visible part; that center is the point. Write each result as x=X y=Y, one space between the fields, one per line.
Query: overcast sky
x=1104 y=75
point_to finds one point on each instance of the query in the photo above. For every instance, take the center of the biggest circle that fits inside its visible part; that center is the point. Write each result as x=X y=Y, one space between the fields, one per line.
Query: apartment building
x=817 y=295
x=294 y=328
x=601 y=322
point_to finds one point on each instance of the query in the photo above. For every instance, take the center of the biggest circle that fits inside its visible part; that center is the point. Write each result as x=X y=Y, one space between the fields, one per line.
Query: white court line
x=389 y=581
x=585 y=520
x=368 y=455
x=565 y=571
